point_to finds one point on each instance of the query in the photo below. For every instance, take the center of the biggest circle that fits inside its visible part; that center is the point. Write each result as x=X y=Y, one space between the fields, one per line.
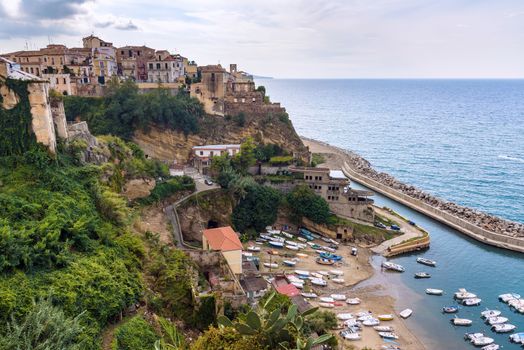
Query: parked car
x=395 y=227
x=208 y=182
x=379 y=225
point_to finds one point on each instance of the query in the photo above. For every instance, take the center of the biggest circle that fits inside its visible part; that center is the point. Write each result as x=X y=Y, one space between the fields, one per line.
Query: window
x=37 y=71
x=158 y=66
x=57 y=81
x=166 y=65
x=211 y=153
x=65 y=81
x=45 y=59
x=61 y=60
x=122 y=53
x=52 y=61
x=201 y=153
x=150 y=65
x=31 y=70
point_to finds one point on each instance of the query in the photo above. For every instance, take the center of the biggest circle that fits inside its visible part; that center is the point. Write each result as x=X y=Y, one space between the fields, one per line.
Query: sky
x=292 y=38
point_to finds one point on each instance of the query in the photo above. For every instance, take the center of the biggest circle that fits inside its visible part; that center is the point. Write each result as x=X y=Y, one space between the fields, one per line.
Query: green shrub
x=167 y=188
x=257 y=209
x=281 y=160
x=240 y=119
x=135 y=334
x=303 y=202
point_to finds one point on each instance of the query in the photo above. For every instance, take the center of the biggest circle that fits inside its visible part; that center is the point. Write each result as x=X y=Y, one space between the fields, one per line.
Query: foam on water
x=516 y=159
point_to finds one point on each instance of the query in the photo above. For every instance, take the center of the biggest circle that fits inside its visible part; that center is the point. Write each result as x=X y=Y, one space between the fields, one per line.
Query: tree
x=257 y=209
x=262 y=89
x=303 y=202
x=135 y=334
x=246 y=157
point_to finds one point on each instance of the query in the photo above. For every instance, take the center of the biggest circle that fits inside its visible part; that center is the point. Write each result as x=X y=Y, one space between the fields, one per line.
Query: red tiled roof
x=222 y=238
x=288 y=289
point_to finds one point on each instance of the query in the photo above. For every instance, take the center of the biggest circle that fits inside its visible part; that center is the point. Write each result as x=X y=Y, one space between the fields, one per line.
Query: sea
x=460 y=140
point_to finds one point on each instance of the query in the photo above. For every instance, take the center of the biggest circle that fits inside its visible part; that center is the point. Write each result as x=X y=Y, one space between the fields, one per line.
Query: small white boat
x=471 y=301
x=253 y=248
x=371 y=322
x=325 y=239
x=309 y=295
x=336 y=272
x=383 y=328
x=338 y=280
x=302 y=255
x=340 y=297
x=247 y=254
x=288 y=235
x=385 y=317
x=327 y=305
x=406 y=313
x=328 y=249
x=289 y=262
x=271 y=265
x=478 y=339
x=292 y=247
x=427 y=262
x=362 y=315
x=316 y=275
x=319 y=282
x=497 y=320
x=461 y=321
x=388 y=335
x=344 y=316
x=490 y=347
x=503 y=328
x=311 y=244
x=392 y=266
x=327 y=299
x=517 y=338
x=291 y=242
x=323 y=273
x=302 y=272
x=490 y=313
x=353 y=301
x=301 y=246
x=350 y=336
x=509 y=296
x=302 y=239
x=276 y=244
x=432 y=291
x=464 y=294
x=298 y=285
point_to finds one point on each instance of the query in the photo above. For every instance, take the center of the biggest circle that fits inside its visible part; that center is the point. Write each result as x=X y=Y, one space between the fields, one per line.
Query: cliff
x=167 y=144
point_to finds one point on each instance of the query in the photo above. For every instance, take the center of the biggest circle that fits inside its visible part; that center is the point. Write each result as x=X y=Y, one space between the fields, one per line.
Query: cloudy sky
x=293 y=38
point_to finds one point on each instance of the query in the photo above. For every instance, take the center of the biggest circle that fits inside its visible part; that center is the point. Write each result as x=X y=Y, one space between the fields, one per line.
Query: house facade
x=203 y=155
x=165 y=68
x=132 y=61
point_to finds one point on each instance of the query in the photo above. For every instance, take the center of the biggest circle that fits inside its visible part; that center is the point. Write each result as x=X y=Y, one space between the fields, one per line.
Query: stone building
x=202 y=155
x=212 y=89
x=61 y=83
x=334 y=187
x=165 y=68
x=132 y=61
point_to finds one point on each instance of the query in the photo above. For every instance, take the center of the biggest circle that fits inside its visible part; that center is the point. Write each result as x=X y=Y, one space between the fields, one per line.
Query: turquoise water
x=462 y=140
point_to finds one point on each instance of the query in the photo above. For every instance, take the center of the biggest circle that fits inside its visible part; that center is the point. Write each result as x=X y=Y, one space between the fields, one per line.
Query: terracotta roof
x=288 y=289
x=223 y=238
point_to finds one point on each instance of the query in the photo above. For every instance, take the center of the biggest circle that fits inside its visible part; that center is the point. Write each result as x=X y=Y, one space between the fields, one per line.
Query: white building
x=165 y=68
x=202 y=155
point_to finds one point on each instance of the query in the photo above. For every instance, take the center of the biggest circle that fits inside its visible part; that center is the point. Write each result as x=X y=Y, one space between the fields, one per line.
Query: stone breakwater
x=475 y=217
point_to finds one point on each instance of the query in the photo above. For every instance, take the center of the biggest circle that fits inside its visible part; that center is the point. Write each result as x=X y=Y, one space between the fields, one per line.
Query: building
x=132 y=61
x=211 y=90
x=225 y=240
x=191 y=69
x=165 y=68
x=255 y=287
x=202 y=155
x=334 y=187
x=61 y=83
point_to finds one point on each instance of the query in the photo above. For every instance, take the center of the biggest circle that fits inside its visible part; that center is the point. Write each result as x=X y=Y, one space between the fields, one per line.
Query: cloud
x=103 y=24
x=128 y=26
x=52 y=9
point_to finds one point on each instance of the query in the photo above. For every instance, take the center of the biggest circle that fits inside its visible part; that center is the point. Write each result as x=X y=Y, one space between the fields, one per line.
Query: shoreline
x=346 y=162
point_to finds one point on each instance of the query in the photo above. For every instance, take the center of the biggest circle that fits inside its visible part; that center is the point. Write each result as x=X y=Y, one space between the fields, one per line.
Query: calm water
x=462 y=140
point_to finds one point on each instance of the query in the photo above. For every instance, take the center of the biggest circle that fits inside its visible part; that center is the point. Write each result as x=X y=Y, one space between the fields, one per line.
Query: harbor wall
x=458 y=224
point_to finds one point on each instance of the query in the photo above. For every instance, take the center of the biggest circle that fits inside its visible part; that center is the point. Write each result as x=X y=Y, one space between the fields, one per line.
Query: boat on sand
x=392 y=266
x=406 y=313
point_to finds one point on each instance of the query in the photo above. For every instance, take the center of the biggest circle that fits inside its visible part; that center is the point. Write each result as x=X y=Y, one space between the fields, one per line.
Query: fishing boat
x=517 y=338
x=427 y=262
x=503 y=328
x=370 y=322
x=319 y=282
x=291 y=242
x=392 y=266
x=298 y=285
x=316 y=275
x=302 y=272
x=276 y=244
x=464 y=294
x=336 y=272
x=271 y=265
x=509 y=296
x=385 y=317
x=490 y=347
x=471 y=301
x=323 y=273
x=330 y=256
x=289 y=263
x=340 y=297
x=388 y=335
x=344 y=316
x=406 y=313
x=288 y=235
x=302 y=239
x=496 y=320
x=324 y=261
x=422 y=275
x=326 y=305
x=490 y=313
x=338 y=280
x=353 y=301
x=302 y=255
x=309 y=295
x=432 y=291
x=461 y=321
x=327 y=300
x=329 y=249
x=253 y=248
x=325 y=239
x=292 y=247
x=478 y=339
x=383 y=328
x=450 y=309
x=350 y=335
x=316 y=246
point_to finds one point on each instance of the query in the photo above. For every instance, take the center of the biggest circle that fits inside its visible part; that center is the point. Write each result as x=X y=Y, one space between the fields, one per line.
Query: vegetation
x=263 y=153
x=304 y=202
x=172 y=338
x=257 y=209
x=316 y=159
x=167 y=188
x=281 y=160
x=124 y=110
x=135 y=334
x=240 y=119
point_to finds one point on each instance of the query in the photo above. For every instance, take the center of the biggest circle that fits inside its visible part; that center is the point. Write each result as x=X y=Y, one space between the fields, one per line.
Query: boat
x=471 y=301
x=490 y=347
x=388 y=335
x=383 y=328
x=327 y=300
x=464 y=294
x=427 y=262
x=490 y=313
x=336 y=272
x=406 y=313
x=392 y=266
x=422 y=275
x=298 y=285
x=362 y=315
x=266 y=237
x=508 y=296
x=309 y=295
x=323 y=273
x=348 y=335
x=338 y=280
x=289 y=262
x=316 y=246
x=292 y=247
x=247 y=254
x=324 y=261
x=461 y=321
x=319 y=282
x=253 y=248
x=353 y=301
x=517 y=338
x=385 y=317
x=302 y=255
x=326 y=305
x=330 y=256
x=344 y=316
x=273 y=252
x=302 y=239
x=288 y=235
x=432 y=291
x=497 y=320
x=276 y=244
x=341 y=297
x=329 y=249
x=301 y=246
x=325 y=239
x=271 y=265
x=450 y=309
x=370 y=322
x=316 y=275
x=302 y=272
x=478 y=339
x=503 y=328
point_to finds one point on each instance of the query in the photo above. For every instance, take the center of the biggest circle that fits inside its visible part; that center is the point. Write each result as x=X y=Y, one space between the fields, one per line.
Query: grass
x=386 y=221
x=361 y=229
x=316 y=159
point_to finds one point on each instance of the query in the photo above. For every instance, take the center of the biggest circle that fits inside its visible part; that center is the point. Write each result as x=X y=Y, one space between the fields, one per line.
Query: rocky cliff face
x=171 y=145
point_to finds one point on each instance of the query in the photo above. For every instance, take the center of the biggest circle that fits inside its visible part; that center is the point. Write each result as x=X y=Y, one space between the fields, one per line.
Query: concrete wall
x=43 y=125
x=460 y=225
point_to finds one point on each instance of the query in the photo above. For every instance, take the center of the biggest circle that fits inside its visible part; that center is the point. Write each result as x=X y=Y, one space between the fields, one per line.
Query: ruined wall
x=353 y=211
x=59 y=118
